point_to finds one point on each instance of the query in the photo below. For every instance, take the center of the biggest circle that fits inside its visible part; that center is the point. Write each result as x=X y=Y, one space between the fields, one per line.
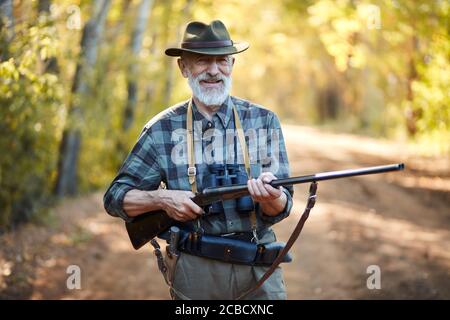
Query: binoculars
x=225 y=175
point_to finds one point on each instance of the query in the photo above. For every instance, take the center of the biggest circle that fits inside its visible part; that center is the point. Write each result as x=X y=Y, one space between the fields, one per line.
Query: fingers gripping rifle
x=148 y=225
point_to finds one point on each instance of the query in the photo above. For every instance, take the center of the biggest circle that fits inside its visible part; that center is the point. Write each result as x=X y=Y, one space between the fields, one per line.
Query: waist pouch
x=230 y=250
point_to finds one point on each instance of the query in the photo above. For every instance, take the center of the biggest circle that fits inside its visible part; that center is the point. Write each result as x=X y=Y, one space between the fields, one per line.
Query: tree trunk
x=6 y=24
x=117 y=29
x=51 y=64
x=186 y=12
x=44 y=6
x=412 y=115
x=66 y=183
x=328 y=103
x=144 y=10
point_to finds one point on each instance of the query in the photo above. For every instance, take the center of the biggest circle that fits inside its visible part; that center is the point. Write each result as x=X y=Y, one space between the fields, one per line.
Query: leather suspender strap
x=242 y=142
x=292 y=239
x=190 y=145
x=192 y=171
x=246 y=155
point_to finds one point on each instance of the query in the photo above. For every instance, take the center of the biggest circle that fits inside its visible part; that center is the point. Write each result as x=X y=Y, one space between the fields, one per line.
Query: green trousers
x=206 y=279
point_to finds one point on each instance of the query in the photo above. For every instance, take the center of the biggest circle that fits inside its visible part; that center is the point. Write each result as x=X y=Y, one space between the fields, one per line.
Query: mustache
x=207 y=77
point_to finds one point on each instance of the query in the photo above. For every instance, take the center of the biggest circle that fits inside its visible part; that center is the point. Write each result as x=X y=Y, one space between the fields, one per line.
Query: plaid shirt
x=159 y=156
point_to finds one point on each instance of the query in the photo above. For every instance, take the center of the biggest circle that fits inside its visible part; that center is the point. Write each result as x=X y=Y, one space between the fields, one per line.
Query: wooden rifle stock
x=148 y=225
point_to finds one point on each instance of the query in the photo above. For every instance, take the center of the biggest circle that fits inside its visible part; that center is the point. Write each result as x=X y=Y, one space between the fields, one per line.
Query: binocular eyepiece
x=225 y=175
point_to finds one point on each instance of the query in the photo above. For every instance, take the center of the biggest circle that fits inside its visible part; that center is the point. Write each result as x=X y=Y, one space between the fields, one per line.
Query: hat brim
x=237 y=47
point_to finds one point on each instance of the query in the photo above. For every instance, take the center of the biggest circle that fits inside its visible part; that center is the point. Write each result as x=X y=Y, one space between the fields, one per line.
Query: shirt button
x=209 y=124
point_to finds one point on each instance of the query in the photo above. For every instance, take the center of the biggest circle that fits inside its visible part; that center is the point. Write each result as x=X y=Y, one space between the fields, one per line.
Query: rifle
x=148 y=225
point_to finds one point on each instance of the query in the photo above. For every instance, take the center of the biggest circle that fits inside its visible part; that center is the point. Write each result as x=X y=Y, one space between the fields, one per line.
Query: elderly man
x=213 y=151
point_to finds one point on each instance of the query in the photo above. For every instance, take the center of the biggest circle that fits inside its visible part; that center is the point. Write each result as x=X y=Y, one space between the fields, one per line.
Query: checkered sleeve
x=278 y=165
x=139 y=171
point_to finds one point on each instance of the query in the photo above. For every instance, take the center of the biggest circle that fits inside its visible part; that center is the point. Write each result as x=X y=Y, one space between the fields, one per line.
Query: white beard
x=210 y=96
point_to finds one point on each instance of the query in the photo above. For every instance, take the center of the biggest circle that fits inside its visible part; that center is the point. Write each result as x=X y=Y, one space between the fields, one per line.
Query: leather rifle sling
x=291 y=241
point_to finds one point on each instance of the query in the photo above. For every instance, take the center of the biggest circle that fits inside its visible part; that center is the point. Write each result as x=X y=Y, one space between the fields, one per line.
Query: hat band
x=207 y=44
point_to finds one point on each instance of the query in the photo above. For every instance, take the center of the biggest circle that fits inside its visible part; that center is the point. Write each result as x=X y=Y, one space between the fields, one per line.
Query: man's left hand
x=272 y=200
x=260 y=189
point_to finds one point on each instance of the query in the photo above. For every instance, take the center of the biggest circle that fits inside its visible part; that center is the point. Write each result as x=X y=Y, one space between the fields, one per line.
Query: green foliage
x=30 y=120
x=431 y=96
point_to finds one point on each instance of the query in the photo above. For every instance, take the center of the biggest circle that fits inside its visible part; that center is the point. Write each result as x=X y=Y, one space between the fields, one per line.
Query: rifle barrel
x=148 y=225
x=239 y=190
x=337 y=174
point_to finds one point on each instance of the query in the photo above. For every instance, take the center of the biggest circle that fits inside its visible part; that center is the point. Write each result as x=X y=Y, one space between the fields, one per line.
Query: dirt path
x=399 y=222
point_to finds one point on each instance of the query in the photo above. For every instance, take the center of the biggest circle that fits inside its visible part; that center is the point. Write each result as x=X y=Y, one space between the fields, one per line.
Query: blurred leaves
x=377 y=67
x=30 y=122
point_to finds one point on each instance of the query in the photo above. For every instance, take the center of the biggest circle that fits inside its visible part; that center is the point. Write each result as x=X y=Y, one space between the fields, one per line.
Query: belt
x=232 y=248
x=244 y=236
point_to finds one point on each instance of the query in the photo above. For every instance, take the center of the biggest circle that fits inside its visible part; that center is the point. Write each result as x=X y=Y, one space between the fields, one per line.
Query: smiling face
x=208 y=76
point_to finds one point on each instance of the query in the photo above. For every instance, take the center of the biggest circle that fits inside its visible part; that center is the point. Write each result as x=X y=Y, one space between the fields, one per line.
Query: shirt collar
x=224 y=112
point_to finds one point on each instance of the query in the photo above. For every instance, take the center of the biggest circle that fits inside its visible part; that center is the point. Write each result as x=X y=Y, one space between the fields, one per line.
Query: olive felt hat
x=209 y=39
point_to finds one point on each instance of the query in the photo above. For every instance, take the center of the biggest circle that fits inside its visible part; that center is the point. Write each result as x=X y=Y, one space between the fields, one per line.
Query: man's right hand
x=178 y=205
